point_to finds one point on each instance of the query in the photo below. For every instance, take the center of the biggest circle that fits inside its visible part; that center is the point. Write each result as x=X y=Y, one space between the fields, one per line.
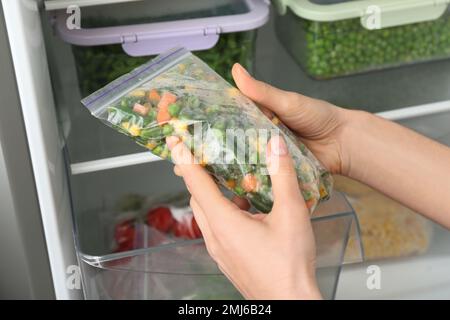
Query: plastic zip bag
x=177 y=94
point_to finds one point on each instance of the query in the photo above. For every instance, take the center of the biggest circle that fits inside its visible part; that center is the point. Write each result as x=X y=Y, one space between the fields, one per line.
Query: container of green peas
x=113 y=40
x=332 y=38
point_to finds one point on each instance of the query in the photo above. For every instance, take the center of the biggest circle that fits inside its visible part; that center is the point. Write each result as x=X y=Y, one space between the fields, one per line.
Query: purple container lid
x=154 y=38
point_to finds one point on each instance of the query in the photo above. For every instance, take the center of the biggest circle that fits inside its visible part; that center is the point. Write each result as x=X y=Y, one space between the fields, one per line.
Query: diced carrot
x=166 y=99
x=249 y=183
x=153 y=96
x=142 y=110
x=163 y=116
x=310 y=203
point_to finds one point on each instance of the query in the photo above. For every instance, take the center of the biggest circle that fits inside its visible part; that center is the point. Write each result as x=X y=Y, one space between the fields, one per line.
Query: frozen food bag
x=177 y=94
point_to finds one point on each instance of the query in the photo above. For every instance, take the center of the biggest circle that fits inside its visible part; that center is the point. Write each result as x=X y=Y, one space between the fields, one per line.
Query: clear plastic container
x=117 y=38
x=177 y=268
x=331 y=38
x=388 y=229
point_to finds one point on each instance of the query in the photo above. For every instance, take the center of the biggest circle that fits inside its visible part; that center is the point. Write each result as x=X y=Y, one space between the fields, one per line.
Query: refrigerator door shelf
x=163 y=267
x=113 y=162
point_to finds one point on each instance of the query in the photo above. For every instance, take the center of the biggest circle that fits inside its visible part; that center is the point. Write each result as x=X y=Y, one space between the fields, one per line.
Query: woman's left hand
x=265 y=256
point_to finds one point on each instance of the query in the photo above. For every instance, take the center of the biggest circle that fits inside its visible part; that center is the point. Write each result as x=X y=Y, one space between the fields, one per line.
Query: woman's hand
x=392 y=159
x=265 y=256
x=320 y=124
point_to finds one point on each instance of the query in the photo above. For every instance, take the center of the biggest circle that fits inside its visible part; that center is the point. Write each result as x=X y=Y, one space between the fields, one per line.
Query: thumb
x=281 y=102
x=285 y=187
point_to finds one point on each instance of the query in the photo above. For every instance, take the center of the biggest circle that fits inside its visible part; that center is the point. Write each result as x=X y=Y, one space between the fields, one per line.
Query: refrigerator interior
x=180 y=269
x=87 y=145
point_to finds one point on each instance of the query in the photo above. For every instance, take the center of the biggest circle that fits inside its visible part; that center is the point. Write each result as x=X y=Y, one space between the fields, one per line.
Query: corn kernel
x=125 y=125
x=151 y=145
x=231 y=184
x=134 y=130
x=275 y=121
x=180 y=126
x=138 y=93
x=233 y=92
x=164 y=154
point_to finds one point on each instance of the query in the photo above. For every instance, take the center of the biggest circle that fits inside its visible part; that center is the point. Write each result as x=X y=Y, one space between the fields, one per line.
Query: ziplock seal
x=119 y=87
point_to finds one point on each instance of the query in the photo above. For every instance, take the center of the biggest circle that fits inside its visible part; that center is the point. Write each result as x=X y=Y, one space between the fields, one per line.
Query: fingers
x=177 y=171
x=208 y=235
x=259 y=216
x=285 y=188
x=199 y=182
x=281 y=102
x=240 y=202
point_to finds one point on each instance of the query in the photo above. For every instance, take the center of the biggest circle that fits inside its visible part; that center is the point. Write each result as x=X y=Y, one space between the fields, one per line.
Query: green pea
x=174 y=109
x=239 y=191
x=167 y=130
x=344 y=47
x=157 y=150
x=150 y=117
x=212 y=109
x=219 y=125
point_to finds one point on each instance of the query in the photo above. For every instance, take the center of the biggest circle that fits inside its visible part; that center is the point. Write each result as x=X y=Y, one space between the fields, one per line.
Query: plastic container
x=331 y=38
x=388 y=229
x=182 y=269
x=117 y=38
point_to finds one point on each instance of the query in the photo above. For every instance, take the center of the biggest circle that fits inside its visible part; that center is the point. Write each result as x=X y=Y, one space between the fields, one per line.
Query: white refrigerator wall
x=23 y=24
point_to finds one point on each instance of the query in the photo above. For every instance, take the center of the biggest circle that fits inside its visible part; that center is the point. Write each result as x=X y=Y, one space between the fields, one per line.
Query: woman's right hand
x=319 y=124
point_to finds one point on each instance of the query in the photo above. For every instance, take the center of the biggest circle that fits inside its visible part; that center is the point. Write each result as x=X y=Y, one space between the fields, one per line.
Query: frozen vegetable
x=329 y=49
x=99 y=65
x=124 y=233
x=161 y=219
x=177 y=94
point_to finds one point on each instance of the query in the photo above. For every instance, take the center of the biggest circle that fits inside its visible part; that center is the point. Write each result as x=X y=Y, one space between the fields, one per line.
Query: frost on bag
x=177 y=94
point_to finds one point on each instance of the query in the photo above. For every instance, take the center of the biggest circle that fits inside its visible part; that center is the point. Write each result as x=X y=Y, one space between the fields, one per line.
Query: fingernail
x=242 y=69
x=278 y=146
